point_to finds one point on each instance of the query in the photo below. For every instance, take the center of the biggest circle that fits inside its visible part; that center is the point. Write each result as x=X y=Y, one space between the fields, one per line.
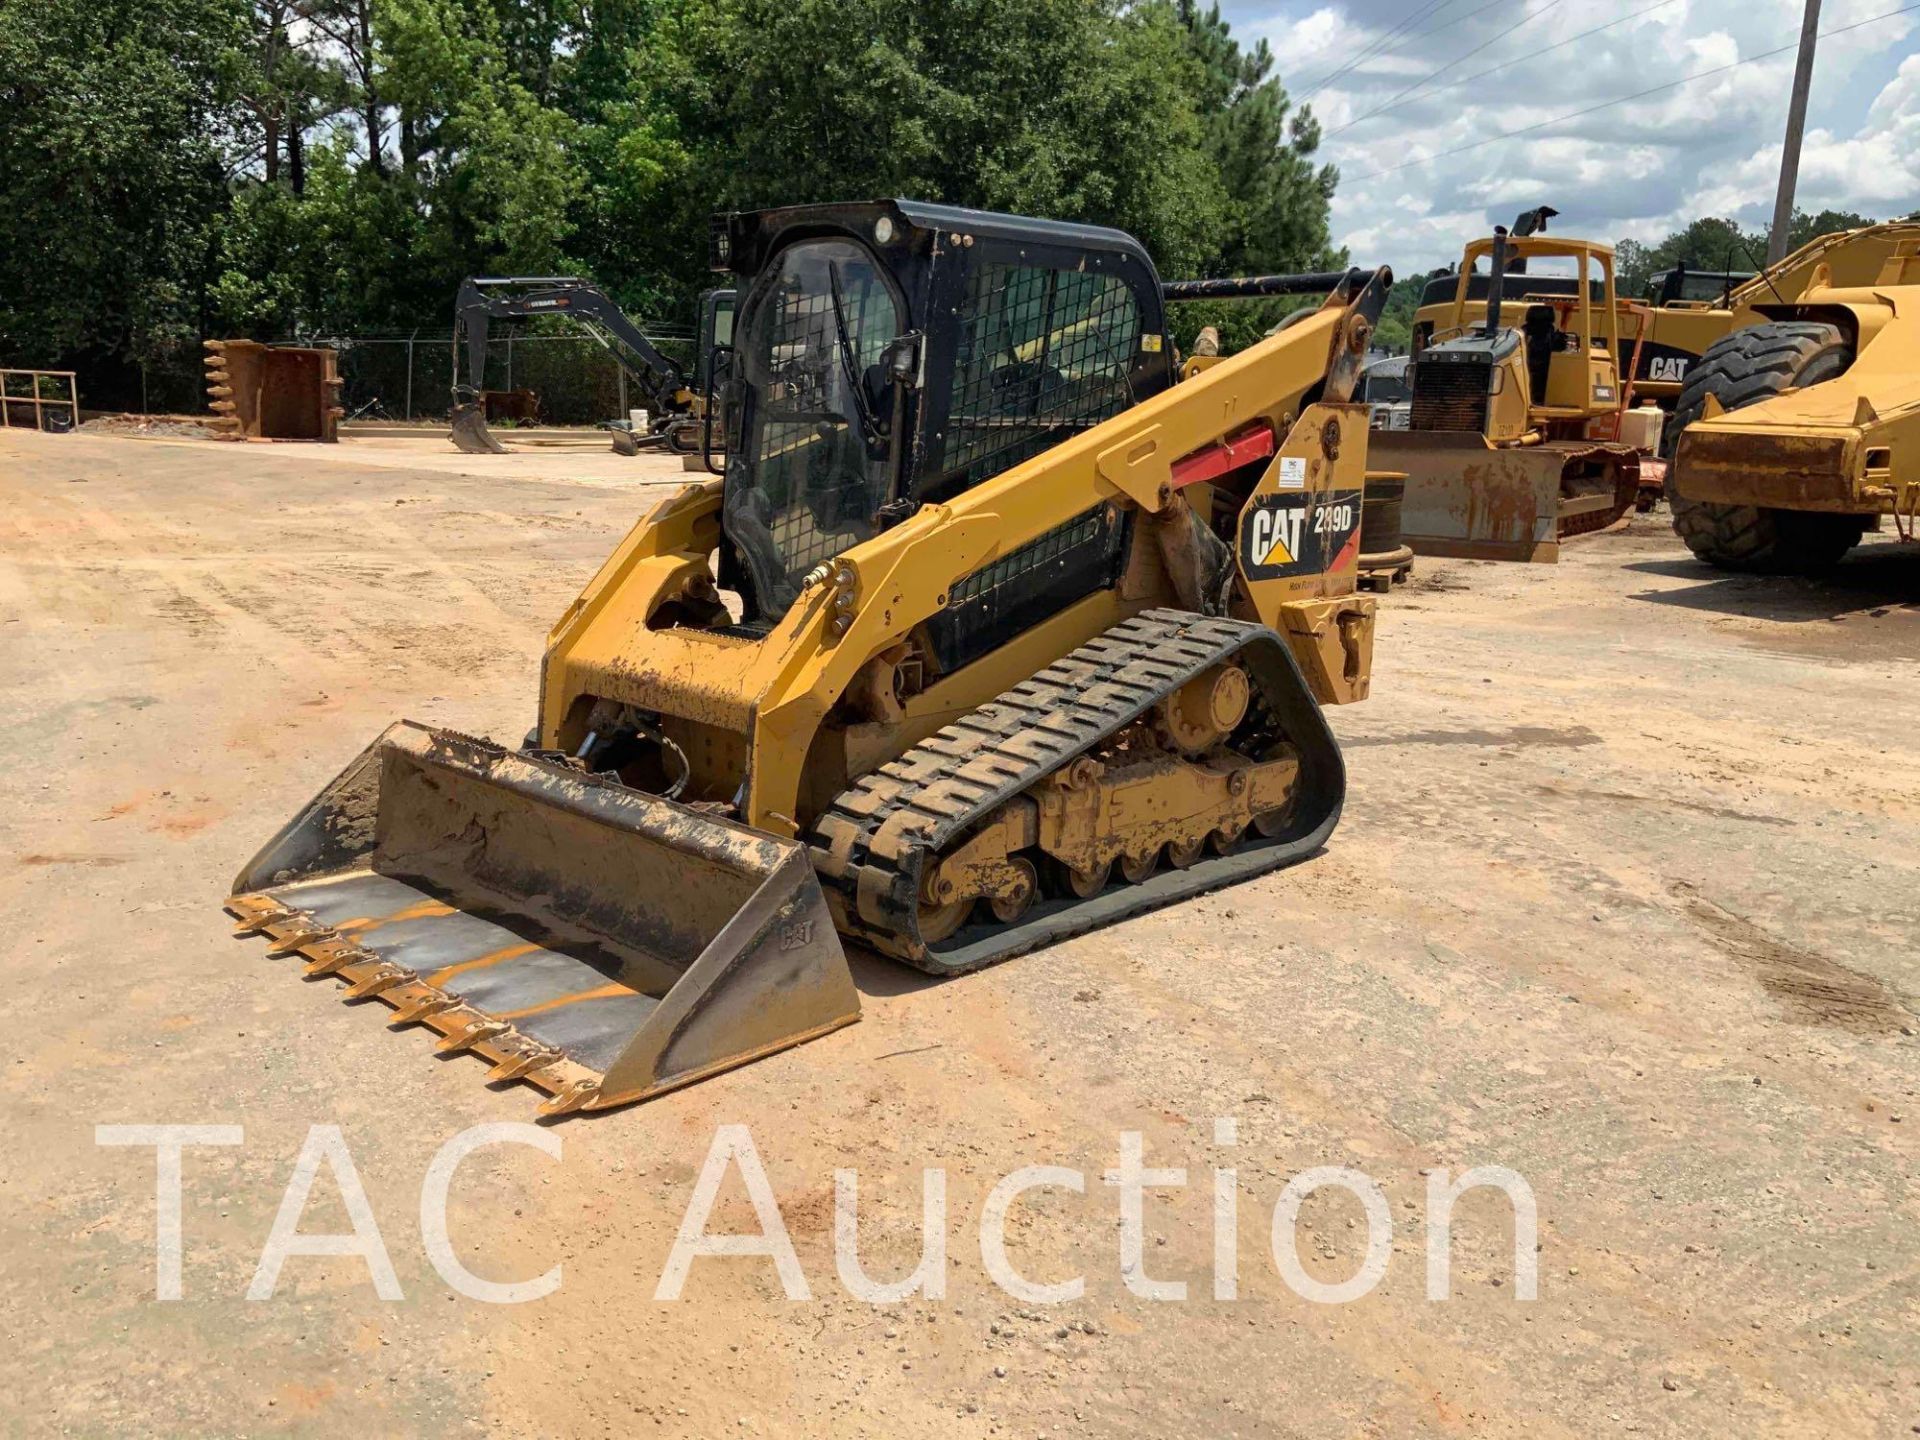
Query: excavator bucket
x=470 y=432
x=1470 y=500
x=599 y=943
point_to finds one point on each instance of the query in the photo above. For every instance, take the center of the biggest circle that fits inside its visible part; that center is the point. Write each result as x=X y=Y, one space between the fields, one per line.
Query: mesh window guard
x=1042 y=354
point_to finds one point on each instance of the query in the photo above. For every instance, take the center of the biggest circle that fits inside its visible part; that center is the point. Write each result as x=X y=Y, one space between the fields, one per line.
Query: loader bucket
x=1470 y=500
x=470 y=432
x=599 y=943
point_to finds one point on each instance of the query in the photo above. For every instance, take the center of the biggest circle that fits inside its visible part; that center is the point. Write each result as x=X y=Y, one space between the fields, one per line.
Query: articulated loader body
x=992 y=633
x=1678 y=333
x=1806 y=425
x=1688 y=312
x=1511 y=446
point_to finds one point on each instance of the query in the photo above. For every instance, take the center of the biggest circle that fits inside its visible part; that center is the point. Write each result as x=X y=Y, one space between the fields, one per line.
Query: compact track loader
x=994 y=632
x=1804 y=427
x=1510 y=446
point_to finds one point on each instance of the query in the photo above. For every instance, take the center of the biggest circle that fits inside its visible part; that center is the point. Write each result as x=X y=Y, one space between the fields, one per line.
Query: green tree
x=1718 y=244
x=112 y=176
x=1276 y=200
x=1804 y=227
x=1054 y=107
x=285 y=167
x=485 y=182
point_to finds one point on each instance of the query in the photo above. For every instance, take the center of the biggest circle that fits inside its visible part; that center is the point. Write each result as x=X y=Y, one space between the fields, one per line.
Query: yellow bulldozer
x=996 y=630
x=1512 y=443
x=1686 y=312
x=1800 y=429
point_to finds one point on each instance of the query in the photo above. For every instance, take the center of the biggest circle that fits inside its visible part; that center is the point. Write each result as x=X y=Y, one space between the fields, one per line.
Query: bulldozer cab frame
x=1569 y=333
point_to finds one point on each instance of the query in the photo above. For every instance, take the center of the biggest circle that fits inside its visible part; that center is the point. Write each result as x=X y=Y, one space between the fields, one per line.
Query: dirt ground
x=1623 y=900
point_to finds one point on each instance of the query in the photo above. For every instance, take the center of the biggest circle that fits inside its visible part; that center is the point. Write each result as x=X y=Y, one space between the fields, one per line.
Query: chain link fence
x=410 y=377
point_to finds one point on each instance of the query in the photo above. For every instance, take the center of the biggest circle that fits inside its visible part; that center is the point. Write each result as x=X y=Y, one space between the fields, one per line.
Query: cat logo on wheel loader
x=995 y=632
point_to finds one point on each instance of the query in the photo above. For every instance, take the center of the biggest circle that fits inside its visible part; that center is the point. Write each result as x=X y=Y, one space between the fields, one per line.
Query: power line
x=1422 y=34
x=1374 y=52
x=1373 y=45
x=1624 y=99
x=1435 y=74
x=1517 y=60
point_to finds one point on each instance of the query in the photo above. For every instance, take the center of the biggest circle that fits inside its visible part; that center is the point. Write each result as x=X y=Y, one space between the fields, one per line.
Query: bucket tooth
x=302 y=932
x=255 y=912
x=518 y=1067
x=384 y=976
x=576 y=1096
x=333 y=954
x=416 y=1011
x=474 y=1034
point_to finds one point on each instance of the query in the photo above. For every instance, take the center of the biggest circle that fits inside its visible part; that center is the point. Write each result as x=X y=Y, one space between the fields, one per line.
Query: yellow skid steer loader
x=993 y=632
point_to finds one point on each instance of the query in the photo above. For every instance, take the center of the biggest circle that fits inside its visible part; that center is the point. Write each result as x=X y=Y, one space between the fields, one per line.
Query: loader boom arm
x=874 y=594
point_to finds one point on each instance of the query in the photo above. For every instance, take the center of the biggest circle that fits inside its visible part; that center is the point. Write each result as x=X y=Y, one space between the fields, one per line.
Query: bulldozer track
x=871 y=846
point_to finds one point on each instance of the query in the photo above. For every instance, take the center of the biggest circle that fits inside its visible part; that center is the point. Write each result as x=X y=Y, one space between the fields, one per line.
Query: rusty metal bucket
x=1470 y=500
x=273 y=392
x=599 y=943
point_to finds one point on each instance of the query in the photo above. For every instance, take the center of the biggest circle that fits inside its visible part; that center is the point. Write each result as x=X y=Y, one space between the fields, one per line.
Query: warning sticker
x=1286 y=535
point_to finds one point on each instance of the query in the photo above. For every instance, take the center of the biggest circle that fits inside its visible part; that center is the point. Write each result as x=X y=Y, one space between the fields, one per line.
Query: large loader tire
x=1741 y=369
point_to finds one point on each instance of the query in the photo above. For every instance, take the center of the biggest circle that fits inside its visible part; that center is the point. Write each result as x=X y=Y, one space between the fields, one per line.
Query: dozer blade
x=470 y=432
x=599 y=943
x=1467 y=500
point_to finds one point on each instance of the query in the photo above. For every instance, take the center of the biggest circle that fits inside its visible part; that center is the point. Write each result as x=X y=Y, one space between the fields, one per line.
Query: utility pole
x=1796 y=122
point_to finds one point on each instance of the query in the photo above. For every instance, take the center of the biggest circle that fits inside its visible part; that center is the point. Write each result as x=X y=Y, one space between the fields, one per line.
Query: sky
x=1639 y=170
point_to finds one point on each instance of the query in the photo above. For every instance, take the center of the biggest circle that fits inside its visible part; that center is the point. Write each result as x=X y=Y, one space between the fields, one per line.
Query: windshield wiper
x=869 y=426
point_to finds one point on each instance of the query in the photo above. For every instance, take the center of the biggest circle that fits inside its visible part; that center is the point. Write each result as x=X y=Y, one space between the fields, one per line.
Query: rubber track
x=871 y=846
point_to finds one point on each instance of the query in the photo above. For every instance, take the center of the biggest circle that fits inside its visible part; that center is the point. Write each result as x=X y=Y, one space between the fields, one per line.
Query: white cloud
x=1710 y=145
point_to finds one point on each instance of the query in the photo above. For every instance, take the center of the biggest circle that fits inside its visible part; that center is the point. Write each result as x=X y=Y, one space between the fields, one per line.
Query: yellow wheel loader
x=1511 y=444
x=1680 y=332
x=993 y=632
x=1804 y=428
